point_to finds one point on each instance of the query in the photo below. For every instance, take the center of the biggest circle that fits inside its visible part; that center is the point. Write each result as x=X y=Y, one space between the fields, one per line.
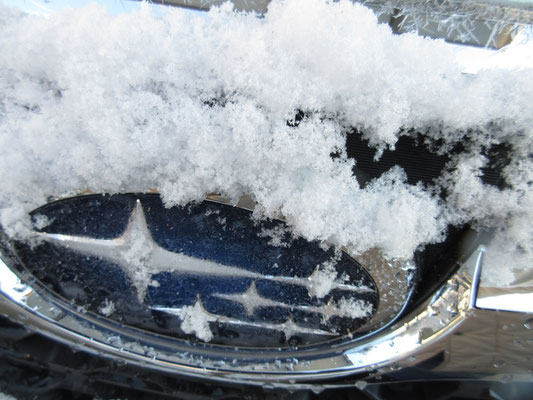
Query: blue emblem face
x=205 y=271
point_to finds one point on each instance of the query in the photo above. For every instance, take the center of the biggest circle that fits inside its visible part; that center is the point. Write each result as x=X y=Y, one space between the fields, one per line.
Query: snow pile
x=194 y=105
x=107 y=308
x=355 y=308
x=196 y=321
x=323 y=278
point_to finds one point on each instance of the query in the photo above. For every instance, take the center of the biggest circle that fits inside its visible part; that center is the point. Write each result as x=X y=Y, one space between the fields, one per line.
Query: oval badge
x=205 y=272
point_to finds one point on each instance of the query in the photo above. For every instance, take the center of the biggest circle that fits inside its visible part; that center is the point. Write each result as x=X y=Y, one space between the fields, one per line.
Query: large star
x=141 y=257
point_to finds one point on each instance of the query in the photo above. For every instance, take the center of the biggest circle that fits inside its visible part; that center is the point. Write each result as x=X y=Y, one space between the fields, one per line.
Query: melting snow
x=194 y=105
x=41 y=221
x=196 y=321
x=355 y=308
x=107 y=308
x=323 y=278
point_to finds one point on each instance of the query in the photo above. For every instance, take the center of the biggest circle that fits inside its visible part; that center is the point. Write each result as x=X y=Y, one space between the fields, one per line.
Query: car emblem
x=207 y=287
x=205 y=272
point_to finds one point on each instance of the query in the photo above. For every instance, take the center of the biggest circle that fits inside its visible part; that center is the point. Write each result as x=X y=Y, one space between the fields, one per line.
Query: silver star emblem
x=141 y=257
x=252 y=299
x=203 y=317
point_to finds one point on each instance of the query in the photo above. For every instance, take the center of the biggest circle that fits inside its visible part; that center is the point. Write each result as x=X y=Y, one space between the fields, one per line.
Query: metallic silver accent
x=487 y=23
x=394 y=279
x=140 y=257
x=259 y=6
x=289 y=327
x=252 y=299
x=409 y=341
x=504 y=11
x=491 y=23
x=483 y=22
x=512 y=298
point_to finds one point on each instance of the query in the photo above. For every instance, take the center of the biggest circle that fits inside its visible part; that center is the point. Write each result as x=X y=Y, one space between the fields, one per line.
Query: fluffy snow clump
x=191 y=105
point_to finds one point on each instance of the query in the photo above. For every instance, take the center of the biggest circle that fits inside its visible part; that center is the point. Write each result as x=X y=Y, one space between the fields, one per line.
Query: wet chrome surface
x=446 y=337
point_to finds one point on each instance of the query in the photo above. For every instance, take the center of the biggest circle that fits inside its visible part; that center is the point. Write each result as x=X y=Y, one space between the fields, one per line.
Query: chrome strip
x=512 y=298
x=434 y=320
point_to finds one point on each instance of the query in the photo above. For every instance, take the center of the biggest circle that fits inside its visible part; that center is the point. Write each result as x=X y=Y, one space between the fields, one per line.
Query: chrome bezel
x=24 y=298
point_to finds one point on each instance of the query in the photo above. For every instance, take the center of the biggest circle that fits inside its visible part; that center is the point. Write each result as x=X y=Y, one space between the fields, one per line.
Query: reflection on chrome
x=448 y=307
x=448 y=320
x=445 y=310
x=513 y=298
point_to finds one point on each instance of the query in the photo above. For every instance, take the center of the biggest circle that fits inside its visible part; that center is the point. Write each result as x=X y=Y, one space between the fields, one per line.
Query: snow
x=196 y=321
x=323 y=278
x=193 y=105
x=277 y=236
x=41 y=221
x=107 y=308
x=355 y=308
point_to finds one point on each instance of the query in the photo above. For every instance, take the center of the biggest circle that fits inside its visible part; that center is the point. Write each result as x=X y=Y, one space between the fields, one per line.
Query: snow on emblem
x=207 y=270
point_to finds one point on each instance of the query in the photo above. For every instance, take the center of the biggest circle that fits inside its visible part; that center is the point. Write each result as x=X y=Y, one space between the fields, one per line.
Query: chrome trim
x=489 y=23
x=512 y=298
x=452 y=304
x=375 y=353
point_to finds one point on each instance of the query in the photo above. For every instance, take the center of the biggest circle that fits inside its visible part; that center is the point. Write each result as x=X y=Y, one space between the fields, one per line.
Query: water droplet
x=499 y=363
x=115 y=340
x=317 y=389
x=360 y=385
x=411 y=359
x=432 y=311
x=529 y=323
x=506 y=378
x=19 y=287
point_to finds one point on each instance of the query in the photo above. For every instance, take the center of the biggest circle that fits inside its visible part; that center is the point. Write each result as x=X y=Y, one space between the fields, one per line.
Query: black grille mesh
x=418 y=162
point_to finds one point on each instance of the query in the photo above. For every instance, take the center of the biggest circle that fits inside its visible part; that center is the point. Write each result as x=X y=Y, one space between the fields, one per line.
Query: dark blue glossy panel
x=209 y=231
